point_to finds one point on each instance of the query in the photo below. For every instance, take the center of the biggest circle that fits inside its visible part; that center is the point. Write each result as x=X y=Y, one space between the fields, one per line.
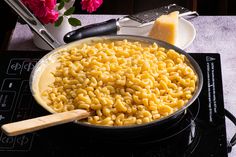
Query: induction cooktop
x=201 y=132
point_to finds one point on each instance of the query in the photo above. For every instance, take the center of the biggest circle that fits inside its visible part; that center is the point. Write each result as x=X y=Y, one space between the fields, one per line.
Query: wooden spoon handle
x=30 y=125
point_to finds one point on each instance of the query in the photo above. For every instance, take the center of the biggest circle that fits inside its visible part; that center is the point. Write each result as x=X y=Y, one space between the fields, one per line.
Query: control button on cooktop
x=11 y=84
x=6 y=100
x=15 y=66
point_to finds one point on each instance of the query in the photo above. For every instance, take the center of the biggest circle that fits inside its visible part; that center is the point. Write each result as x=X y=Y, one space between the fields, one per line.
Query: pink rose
x=91 y=5
x=44 y=10
x=50 y=17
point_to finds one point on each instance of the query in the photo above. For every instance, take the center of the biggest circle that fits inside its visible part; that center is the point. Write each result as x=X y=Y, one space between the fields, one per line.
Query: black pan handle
x=232 y=142
x=103 y=28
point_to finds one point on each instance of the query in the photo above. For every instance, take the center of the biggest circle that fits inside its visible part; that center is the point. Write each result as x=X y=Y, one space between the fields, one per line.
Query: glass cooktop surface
x=200 y=132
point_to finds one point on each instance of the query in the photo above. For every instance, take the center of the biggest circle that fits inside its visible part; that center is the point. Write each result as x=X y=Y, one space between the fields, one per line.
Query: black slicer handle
x=103 y=28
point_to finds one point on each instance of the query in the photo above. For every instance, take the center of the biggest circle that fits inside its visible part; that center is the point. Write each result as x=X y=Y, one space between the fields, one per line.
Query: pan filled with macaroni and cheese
x=127 y=83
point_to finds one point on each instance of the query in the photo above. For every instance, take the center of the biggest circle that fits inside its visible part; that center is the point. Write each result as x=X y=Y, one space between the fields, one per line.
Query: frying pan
x=50 y=59
x=160 y=124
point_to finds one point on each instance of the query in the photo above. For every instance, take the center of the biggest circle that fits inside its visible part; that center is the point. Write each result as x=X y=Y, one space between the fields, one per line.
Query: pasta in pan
x=121 y=82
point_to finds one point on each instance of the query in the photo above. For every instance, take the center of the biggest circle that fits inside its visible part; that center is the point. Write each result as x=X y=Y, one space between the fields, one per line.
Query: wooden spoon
x=30 y=125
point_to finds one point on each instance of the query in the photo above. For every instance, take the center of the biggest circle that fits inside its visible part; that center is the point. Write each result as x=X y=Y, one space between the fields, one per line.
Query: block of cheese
x=165 y=28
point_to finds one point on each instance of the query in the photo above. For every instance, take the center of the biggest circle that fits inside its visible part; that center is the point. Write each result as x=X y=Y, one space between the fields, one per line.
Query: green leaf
x=74 y=21
x=67 y=1
x=61 y=5
x=69 y=11
x=59 y=21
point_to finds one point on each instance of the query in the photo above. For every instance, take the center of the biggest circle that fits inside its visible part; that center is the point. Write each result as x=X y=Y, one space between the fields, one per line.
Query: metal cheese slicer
x=33 y=22
x=148 y=17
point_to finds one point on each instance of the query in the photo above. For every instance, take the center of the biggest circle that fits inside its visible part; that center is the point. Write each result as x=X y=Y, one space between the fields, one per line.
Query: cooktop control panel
x=16 y=101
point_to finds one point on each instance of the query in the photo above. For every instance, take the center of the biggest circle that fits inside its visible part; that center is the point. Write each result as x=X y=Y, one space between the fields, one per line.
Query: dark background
x=203 y=7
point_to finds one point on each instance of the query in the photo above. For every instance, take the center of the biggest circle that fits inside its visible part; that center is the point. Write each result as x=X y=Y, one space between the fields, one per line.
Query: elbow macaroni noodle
x=121 y=82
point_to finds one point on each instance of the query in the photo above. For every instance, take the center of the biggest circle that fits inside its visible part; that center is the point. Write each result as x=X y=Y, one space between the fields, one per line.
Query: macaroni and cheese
x=121 y=82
